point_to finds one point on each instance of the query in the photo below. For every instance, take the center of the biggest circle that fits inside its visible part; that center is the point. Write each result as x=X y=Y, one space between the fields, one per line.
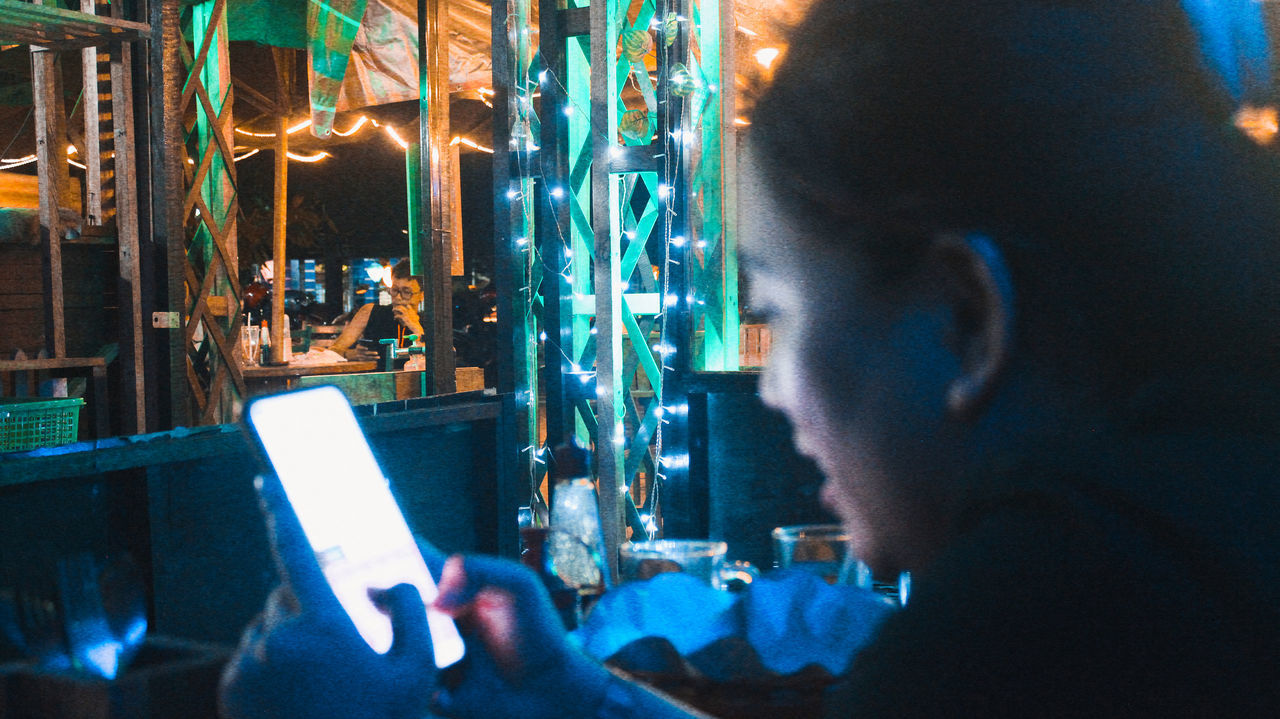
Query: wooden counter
x=263 y=380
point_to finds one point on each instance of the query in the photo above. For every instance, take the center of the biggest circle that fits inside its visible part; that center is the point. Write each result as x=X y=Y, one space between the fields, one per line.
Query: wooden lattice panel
x=209 y=209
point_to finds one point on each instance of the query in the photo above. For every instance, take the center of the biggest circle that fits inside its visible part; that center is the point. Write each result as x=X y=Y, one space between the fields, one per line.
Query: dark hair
x=1085 y=136
x=401 y=271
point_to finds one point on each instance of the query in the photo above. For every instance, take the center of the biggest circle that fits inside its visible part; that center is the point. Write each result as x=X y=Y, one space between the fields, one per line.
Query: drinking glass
x=700 y=558
x=249 y=338
x=827 y=550
x=822 y=549
x=575 y=542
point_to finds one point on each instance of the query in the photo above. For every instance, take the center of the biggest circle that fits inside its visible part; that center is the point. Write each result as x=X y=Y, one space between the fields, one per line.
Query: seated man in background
x=1023 y=279
x=373 y=322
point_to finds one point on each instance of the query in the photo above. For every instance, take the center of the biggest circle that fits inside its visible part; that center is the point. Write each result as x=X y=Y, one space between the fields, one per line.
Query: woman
x=1023 y=279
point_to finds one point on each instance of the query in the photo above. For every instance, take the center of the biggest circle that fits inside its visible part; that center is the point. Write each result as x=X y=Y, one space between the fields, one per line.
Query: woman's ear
x=980 y=291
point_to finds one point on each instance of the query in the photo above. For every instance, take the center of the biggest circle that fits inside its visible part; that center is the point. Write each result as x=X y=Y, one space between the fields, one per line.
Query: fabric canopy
x=363 y=52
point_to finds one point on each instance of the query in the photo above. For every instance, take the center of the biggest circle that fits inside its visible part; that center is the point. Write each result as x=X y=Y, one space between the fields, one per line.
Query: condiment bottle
x=264 y=342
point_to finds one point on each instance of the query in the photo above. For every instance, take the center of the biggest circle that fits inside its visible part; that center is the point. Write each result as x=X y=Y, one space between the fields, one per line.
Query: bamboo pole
x=280 y=204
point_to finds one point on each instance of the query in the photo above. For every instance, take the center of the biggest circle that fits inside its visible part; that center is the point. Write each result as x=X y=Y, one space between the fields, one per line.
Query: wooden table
x=93 y=367
x=263 y=380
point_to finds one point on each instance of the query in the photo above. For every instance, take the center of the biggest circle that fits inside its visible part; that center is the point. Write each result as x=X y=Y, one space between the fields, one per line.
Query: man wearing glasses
x=374 y=322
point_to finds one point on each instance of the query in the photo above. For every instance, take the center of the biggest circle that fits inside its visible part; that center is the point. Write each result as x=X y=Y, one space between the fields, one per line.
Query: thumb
x=410 y=636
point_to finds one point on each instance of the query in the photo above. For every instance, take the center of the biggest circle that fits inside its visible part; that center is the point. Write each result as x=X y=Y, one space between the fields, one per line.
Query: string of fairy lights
x=360 y=123
x=524 y=147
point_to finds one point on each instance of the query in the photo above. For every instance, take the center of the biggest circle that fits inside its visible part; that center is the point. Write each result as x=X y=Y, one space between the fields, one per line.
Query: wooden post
x=606 y=280
x=133 y=393
x=433 y=140
x=51 y=138
x=89 y=149
x=167 y=193
x=280 y=205
x=456 y=264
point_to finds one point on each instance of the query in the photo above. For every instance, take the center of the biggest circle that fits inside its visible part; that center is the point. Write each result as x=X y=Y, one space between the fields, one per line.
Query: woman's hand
x=304 y=658
x=519 y=662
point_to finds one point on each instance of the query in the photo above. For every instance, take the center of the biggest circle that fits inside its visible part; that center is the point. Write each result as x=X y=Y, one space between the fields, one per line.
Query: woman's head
x=1066 y=165
x=1084 y=136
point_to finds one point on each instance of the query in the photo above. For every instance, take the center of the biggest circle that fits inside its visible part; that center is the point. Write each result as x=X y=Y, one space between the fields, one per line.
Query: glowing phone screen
x=346 y=510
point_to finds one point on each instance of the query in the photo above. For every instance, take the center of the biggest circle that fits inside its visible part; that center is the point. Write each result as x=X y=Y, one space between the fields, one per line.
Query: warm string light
x=353 y=129
x=460 y=140
x=391 y=132
x=315 y=157
x=7 y=163
x=301 y=125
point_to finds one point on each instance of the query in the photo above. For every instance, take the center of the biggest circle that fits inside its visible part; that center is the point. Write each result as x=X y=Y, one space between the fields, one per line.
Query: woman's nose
x=769 y=390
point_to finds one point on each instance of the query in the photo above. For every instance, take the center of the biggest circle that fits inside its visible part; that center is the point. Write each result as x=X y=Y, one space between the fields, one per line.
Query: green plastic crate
x=38 y=422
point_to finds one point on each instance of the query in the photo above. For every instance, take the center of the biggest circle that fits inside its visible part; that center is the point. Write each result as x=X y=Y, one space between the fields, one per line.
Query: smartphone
x=346 y=509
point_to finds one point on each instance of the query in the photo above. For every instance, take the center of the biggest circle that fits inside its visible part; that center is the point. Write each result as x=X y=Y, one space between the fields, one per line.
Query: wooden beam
x=22 y=22
x=89 y=144
x=611 y=393
x=280 y=204
x=51 y=136
x=167 y=171
x=457 y=264
x=124 y=167
x=434 y=170
x=255 y=98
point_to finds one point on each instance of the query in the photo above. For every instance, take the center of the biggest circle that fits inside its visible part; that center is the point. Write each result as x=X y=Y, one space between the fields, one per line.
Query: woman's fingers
x=411 y=637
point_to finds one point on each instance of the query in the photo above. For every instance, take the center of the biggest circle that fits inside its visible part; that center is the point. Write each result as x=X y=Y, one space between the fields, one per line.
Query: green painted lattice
x=714 y=273
x=616 y=294
x=212 y=309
